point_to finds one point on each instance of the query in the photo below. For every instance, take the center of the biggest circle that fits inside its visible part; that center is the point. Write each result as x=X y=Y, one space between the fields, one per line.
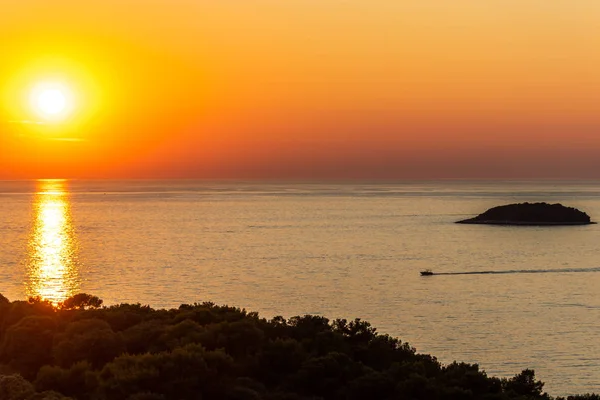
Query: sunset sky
x=301 y=89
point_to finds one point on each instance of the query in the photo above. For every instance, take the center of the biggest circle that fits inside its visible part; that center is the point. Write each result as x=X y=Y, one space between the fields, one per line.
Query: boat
x=426 y=272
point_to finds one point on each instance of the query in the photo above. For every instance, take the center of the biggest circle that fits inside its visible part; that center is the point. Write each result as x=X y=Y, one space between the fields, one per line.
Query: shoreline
x=520 y=223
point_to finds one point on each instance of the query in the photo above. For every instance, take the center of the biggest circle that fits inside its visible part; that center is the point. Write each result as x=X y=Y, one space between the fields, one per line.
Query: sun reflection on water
x=52 y=268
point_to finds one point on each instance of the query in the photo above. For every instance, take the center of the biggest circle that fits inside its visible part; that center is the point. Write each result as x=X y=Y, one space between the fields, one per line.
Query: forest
x=83 y=350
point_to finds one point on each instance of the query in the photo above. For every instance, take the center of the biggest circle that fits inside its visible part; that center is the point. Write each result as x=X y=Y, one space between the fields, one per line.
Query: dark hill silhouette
x=531 y=214
x=83 y=351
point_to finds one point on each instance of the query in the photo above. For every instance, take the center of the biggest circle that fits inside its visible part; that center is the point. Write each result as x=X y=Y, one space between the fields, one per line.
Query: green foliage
x=27 y=345
x=146 y=396
x=280 y=358
x=79 y=381
x=147 y=336
x=17 y=310
x=204 y=351
x=524 y=384
x=15 y=387
x=185 y=332
x=181 y=373
x=48 y=396
x=90 y=340
x=81 y=301
x=242 y=393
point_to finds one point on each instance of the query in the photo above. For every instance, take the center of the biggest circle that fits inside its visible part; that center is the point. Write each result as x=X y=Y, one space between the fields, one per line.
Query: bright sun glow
x=51 y=101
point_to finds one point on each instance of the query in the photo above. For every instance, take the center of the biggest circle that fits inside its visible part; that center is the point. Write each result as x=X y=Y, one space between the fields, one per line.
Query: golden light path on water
x=52 y=272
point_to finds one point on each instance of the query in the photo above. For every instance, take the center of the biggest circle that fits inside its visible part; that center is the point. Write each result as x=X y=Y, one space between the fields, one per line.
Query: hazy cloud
x=67 y=139
x=28 y=122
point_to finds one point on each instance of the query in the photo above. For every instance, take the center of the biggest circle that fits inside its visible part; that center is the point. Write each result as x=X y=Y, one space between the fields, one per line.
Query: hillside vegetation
x=81 y=350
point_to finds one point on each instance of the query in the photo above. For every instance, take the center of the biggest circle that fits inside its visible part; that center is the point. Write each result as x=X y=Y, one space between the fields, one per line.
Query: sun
x=52 y=101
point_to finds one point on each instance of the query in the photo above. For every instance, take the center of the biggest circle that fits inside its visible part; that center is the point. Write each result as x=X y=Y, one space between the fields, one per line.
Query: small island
x=531 y=214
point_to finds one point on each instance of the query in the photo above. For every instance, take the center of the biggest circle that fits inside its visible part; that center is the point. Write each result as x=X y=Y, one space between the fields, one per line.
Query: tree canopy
x=80 y=350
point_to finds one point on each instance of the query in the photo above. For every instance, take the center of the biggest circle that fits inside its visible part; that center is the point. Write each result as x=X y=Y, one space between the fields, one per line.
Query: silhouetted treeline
x=204 y=351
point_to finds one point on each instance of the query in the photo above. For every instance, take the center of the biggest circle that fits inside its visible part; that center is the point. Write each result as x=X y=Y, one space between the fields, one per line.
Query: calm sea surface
x=530 y=299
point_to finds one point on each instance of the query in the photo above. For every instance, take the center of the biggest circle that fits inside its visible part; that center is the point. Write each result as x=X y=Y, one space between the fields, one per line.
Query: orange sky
x=307 y=89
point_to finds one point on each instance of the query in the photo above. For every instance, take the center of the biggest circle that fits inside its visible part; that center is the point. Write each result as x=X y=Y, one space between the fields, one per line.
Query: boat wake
x=522 y=271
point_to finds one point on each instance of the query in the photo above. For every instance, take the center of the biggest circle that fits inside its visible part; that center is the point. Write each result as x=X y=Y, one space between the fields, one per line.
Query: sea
x=506 y=298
